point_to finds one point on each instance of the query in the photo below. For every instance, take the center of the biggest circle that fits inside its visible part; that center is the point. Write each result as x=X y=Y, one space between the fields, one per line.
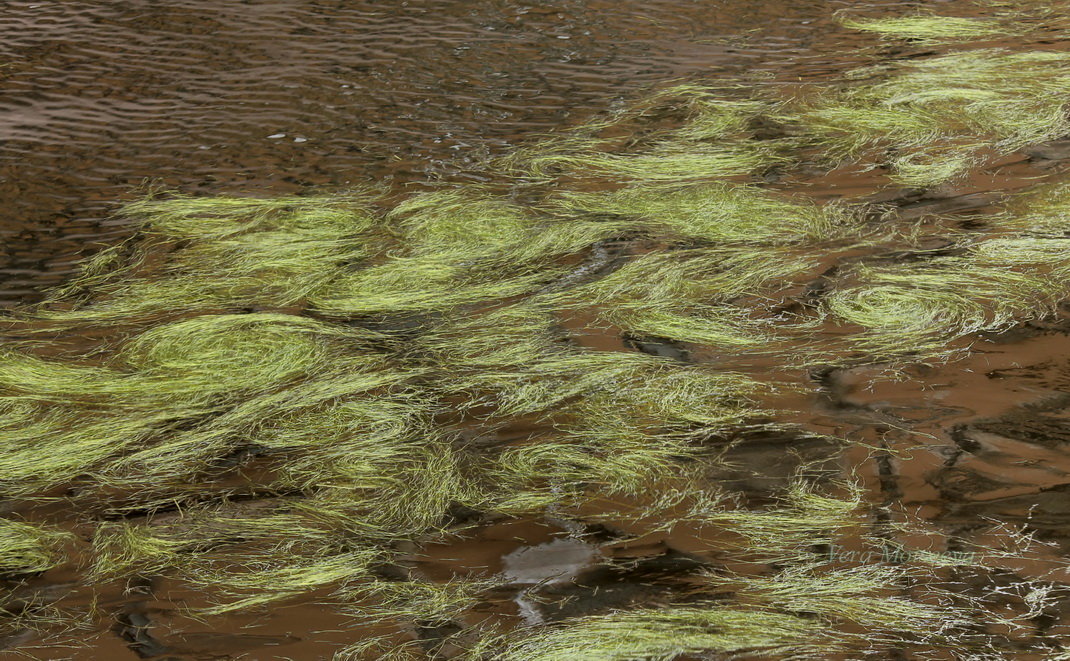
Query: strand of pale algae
x=999 y=19
x=928 y=121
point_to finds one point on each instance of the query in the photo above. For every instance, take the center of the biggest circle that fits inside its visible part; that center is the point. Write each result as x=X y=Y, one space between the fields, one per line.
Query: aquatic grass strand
x=930 y=28
x=28 y=548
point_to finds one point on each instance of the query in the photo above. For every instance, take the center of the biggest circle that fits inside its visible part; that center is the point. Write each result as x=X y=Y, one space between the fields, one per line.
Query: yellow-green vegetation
x=938 y=117
x=929 y=28
x=1045 y=212
x=795 y=620
x=287 y=399
x=926 y=121
x=222 y=254
x=992 y=286
x=27 y=548
x=717 y=213
x=986 y=20
x=669 y=633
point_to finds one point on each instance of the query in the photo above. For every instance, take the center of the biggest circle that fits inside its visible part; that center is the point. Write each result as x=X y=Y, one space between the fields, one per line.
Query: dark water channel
x=101 y=98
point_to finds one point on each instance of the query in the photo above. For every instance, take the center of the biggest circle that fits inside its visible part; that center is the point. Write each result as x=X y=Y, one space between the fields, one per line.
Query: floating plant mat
x=611 y=344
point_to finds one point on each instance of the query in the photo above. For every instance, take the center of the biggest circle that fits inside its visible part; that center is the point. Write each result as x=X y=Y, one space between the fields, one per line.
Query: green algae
x=793 y=614
x=994 y=285
x=855 y=595
x=803 y=518
x=940 y=116
x=711 y=141
x=264 y=582
x=222 y=253
x=668 y=633
x=666 y=163
x=27 y=548
x=464 y=227
x=357 y=361
x=718 y=213
x=998 y=20
x=246 y=352
x=146 y=549
x=688 y=295
x=928 y=121
x=933 y=28
x=416 y=600
x=1044 y=212
x=162 y=379
x=709 y=274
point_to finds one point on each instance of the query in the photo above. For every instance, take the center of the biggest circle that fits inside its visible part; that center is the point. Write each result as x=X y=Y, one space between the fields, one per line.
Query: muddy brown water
x=290 y=96
x=278 y=97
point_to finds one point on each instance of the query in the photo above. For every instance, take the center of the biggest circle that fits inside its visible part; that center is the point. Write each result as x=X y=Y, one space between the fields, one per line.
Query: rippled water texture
x=276 y=97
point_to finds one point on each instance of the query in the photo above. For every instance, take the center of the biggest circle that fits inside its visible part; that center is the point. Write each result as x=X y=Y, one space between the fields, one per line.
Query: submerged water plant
x=27 y=548
x=930 y=28
x=286 y=399
x=927 y=121
x=939 y=117
x=222 y=253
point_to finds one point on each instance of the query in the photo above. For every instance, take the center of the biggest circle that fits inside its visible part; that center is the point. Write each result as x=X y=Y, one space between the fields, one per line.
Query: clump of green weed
x=685 y=132
x=27 y=548
x=197 y=254
x=930 y=28
x=670 y=632
x=994 y=285
x=939 y=116
x=719 y=213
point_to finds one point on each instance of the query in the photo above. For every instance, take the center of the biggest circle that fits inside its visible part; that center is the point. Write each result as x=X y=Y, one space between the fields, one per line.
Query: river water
x=99 y=99
x=273 y=97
